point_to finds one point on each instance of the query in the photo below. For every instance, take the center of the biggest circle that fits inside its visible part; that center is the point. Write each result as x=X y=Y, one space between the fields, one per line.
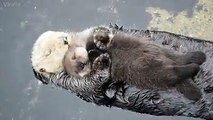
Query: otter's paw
x=102 y=37
x=101 y=62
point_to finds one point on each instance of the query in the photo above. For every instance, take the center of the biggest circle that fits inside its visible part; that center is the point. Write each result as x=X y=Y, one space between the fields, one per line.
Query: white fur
x=81 y=37
x=49 y=50
x=81 y=52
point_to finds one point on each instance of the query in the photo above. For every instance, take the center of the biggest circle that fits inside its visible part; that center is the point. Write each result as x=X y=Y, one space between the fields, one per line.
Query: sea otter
x=144 y=64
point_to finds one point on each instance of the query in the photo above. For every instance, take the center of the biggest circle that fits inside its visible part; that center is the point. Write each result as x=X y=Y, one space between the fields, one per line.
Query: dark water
x=21 y=21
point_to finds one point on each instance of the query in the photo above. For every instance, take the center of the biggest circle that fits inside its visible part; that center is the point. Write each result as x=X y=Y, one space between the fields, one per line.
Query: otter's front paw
x=102 y=37
x=102 y=62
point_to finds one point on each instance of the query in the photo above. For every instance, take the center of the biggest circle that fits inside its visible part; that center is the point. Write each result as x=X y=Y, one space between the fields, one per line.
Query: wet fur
x=146 y=65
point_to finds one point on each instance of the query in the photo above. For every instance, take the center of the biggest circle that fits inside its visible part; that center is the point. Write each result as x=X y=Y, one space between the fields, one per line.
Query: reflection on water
x=23 y=98
x=199 y=25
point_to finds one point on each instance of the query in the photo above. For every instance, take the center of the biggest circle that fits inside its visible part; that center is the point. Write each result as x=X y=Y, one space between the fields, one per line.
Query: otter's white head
x=49 y=50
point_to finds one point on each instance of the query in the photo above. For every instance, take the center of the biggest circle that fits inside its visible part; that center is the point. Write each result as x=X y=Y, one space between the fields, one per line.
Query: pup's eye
x=65 y=40
x=81 y=65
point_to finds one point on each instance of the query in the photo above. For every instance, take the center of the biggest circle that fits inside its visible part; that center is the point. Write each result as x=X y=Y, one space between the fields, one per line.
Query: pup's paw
x=102 y=37
x=101 y=62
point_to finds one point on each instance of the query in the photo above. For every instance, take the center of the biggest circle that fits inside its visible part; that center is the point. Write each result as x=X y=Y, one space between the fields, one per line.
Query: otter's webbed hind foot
x=196 y=57
x=189 y=89
x=102 y=37
x=186 y=71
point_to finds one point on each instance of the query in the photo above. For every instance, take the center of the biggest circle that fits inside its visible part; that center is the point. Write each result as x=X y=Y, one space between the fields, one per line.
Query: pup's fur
x=146 y=65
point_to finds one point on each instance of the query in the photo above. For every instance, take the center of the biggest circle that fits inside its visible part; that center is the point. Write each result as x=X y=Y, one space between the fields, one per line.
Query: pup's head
x=76 y=61
x=49 y=50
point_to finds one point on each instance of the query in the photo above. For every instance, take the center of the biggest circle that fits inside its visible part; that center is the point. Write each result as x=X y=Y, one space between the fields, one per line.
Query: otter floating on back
x=144 y=64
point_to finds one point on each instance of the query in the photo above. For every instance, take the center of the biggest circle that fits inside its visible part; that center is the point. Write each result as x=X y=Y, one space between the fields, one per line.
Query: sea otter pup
x=147 y=65
x=80 y=63
x=144 y=64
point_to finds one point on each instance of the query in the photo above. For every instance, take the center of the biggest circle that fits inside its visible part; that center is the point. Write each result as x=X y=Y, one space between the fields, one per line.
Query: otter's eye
x=42 y=70
x=81 y=65
x=65 y=40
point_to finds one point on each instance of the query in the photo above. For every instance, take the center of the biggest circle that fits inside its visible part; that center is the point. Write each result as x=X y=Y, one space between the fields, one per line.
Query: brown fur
x=146 y=65
x=140 y=63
